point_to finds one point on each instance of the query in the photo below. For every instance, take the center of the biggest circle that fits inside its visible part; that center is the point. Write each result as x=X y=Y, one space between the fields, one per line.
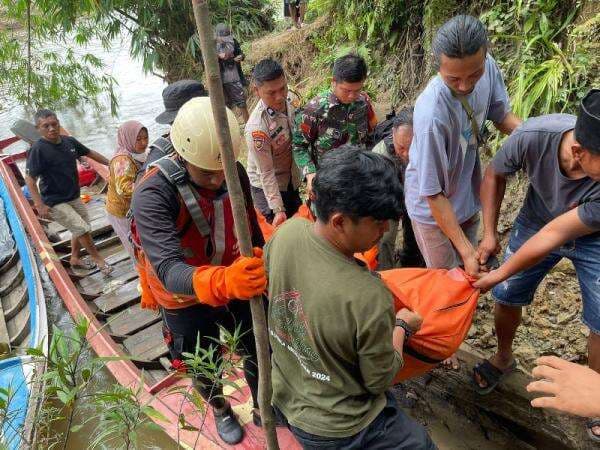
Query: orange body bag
x=444 y=298
x=446 y=301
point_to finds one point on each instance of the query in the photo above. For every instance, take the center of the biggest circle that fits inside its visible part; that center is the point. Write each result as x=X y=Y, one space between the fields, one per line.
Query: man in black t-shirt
x=53 y=159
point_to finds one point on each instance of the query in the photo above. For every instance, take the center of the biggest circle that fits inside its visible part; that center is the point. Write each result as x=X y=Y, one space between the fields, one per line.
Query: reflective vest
x=219 y=248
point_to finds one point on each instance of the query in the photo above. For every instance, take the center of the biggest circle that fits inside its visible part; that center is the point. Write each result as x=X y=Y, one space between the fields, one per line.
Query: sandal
x=106 y=269
x=491 y=375
x=84 y=265
x=591 y=423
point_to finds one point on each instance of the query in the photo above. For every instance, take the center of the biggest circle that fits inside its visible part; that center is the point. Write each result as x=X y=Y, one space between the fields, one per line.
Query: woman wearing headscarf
x=230 y=57
x=129 y=157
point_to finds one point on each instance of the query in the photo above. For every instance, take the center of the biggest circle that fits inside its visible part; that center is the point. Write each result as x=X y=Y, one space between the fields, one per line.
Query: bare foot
x=451 y=363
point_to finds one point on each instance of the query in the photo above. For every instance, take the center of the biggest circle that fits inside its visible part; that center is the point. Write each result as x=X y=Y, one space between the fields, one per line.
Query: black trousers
x=291 y=202
x=391 y=429
x=183 y=328
x=410 y=256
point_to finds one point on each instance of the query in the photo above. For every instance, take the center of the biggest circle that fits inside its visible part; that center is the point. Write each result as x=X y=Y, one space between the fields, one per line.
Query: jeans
x=583 y=252
x=391 y=429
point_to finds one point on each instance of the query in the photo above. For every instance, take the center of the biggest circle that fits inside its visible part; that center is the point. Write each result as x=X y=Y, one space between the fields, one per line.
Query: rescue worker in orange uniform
x=188 y=257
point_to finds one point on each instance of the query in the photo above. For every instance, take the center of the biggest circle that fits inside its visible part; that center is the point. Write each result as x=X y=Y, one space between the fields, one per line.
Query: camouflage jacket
x=325 y=124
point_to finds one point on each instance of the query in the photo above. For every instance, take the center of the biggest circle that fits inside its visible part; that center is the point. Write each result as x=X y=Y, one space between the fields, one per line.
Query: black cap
x=176 y=95
x=587 y=127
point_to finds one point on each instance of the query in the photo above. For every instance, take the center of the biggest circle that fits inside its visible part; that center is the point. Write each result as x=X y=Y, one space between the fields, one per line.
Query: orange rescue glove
x=243 y=280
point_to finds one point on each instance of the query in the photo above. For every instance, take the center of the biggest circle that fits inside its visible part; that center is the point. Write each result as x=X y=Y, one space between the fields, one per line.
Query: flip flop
x=106 y=269
x=591 y=423
x=491 y=375
x=84 y=265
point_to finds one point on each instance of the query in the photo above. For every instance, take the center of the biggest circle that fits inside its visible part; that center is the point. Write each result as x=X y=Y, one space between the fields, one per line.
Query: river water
x=139 y=97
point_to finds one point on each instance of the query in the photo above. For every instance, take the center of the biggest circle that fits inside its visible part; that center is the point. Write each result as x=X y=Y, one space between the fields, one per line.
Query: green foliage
x=115 y=417
x=361 y=26
x=383 y=32
x=549 y=63
x=122 y=418
x=48 y=78
x=214 y=364
x=366 y=22
x=72 y=370
x=162 y=32
x=7 y=417
x=435 y=13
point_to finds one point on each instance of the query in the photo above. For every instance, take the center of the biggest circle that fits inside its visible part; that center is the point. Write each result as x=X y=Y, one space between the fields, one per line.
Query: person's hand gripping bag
x=446 y=301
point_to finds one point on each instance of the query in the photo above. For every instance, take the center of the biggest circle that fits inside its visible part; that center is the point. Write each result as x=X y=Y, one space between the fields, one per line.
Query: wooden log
x=508 y=404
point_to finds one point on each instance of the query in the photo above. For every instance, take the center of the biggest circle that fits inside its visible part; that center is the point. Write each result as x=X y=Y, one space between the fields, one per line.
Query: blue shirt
x=444 y=157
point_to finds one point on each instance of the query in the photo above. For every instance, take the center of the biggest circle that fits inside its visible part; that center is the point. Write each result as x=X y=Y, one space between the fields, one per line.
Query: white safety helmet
x=194 y=134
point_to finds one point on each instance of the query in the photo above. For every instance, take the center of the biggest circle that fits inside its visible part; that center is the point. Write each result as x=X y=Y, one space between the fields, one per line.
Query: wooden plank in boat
x=132 y=320
x=11 y=278
x=95 y=283
x=151 y=377
x=4 y=336
x=15 y=300
x=9 y=262
x=119 y=298
x=97 y=208
x=148 y=344
x=19 y=327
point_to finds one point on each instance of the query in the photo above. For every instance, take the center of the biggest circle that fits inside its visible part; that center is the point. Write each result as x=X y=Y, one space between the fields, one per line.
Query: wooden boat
x=23 y=324
x=119 y=329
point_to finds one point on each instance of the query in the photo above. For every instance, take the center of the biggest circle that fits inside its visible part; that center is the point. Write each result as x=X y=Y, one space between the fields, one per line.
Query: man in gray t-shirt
x=444 y=174
x=560 y=218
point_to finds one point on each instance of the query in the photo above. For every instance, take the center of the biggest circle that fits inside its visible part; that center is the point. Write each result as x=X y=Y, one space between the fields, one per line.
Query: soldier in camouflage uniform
x=341 y=115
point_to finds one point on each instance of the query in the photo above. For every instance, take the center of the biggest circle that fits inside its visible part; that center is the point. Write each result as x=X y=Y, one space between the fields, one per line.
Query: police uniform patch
x=259 y=138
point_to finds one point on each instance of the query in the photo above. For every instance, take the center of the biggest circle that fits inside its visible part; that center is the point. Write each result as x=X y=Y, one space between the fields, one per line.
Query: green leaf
x=35 y=352
x=153 y=413
x=76 y=428
x=63 y=397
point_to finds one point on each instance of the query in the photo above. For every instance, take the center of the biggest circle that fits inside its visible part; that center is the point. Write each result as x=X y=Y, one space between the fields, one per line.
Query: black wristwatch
x=407 y=331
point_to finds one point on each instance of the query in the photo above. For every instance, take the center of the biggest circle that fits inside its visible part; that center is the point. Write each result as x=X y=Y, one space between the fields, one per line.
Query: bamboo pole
x=217 y=99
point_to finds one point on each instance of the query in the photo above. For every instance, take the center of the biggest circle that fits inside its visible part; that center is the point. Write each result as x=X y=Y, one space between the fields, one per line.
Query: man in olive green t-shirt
x=336 y=343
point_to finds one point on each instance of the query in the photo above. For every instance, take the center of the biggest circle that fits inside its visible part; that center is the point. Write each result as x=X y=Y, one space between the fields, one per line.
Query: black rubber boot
x=228 y=427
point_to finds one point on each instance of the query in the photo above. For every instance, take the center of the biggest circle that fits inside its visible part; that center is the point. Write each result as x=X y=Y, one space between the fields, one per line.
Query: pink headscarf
x=126 y=137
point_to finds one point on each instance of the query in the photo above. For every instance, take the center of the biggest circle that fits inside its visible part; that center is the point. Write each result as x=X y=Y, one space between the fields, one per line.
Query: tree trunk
x=215 y=89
